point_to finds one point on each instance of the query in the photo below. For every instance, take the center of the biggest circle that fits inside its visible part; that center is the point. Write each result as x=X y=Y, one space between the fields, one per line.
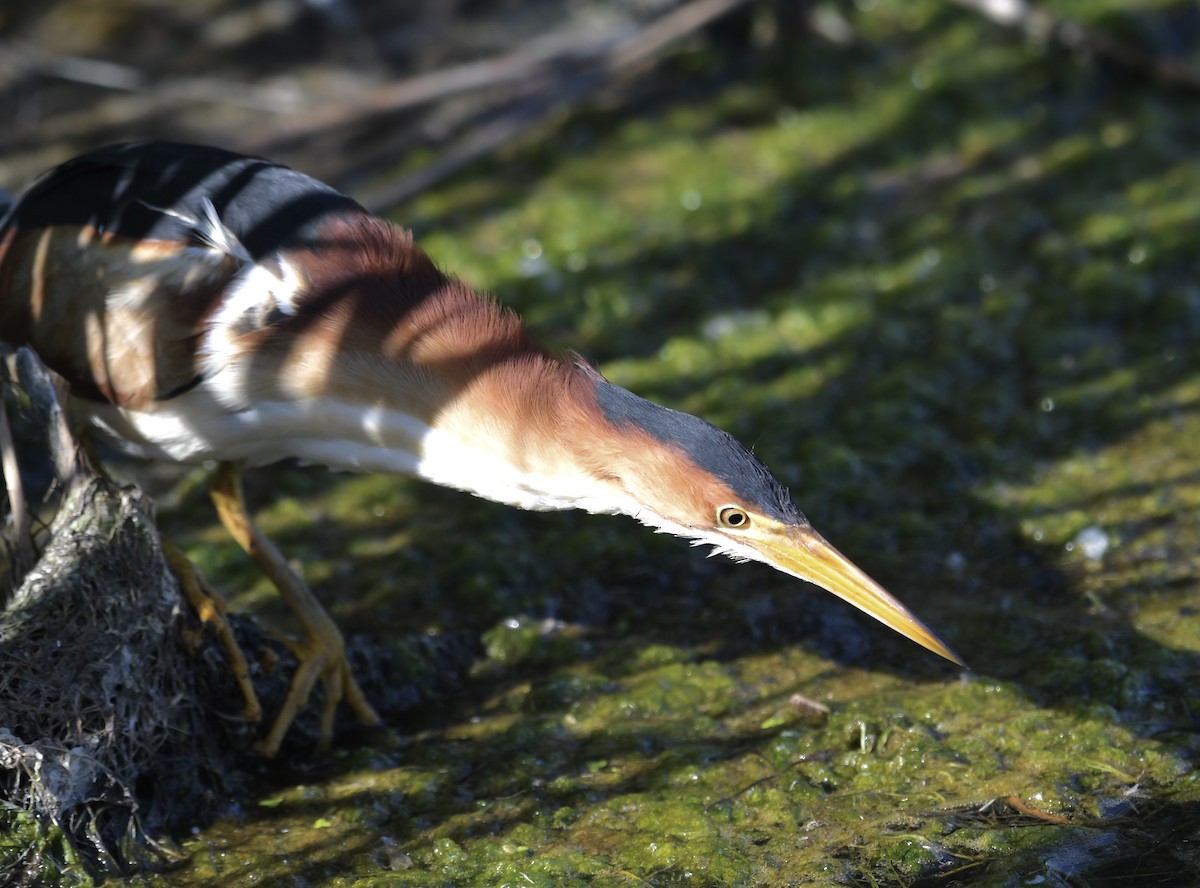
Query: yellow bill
x=802 y=552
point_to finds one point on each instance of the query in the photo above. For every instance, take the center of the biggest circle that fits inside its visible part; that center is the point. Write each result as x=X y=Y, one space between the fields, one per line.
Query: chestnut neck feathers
x=507 y=420
x=377 y=325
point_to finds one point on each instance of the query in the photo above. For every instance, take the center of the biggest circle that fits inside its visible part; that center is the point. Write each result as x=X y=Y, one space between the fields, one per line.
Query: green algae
x=943 y=281
x=31 y=853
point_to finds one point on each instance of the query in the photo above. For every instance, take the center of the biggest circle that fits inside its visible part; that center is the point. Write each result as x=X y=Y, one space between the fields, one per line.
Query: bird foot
x=210 y=608
x=321 y=656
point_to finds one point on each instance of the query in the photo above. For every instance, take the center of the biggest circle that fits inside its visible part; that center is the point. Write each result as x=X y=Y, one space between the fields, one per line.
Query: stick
x=46 y=394
x=111 y=75
x=1041 y=25
x=11 y=480
x=560 y=93
x=433 y=87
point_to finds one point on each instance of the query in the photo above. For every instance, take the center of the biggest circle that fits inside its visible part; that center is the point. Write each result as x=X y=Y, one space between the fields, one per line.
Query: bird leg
x=210 y=608
x=204 y=599
x=75 y=452
x=322 y=654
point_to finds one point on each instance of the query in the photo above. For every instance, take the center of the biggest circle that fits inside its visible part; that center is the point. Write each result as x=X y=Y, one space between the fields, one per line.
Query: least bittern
x=203 y=305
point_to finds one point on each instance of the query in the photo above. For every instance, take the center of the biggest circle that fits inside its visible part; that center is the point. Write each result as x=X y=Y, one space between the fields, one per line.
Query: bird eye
x=733 y=516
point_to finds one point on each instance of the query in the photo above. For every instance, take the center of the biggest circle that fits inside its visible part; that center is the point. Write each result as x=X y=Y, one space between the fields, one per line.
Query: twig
x=433 y=87
x=115 y=76
x=479 y=142
x=559 y=93
x=608 y=52
x=11 y=479
x=1041 y=25
x=671 y=27
x=46 y=395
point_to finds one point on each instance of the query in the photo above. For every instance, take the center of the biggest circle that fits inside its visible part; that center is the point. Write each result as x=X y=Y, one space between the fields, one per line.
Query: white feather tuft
x=210 y=232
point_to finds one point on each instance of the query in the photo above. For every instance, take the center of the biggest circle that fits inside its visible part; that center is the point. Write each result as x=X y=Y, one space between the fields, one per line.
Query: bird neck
x=526 y=432
x=386 y=364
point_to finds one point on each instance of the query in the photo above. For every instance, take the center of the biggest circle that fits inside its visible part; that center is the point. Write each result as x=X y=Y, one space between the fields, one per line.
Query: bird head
x=682 y=475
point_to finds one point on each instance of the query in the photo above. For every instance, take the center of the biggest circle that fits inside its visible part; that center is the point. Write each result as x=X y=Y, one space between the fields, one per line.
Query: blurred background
x=348 y=88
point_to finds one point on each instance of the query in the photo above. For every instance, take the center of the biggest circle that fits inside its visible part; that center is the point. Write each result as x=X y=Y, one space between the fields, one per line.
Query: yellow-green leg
x=322 y=654
x=204 y=599
x=210 y=607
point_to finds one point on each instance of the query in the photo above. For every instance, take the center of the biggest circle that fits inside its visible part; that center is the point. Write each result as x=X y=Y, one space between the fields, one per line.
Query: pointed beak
x=802 y=552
